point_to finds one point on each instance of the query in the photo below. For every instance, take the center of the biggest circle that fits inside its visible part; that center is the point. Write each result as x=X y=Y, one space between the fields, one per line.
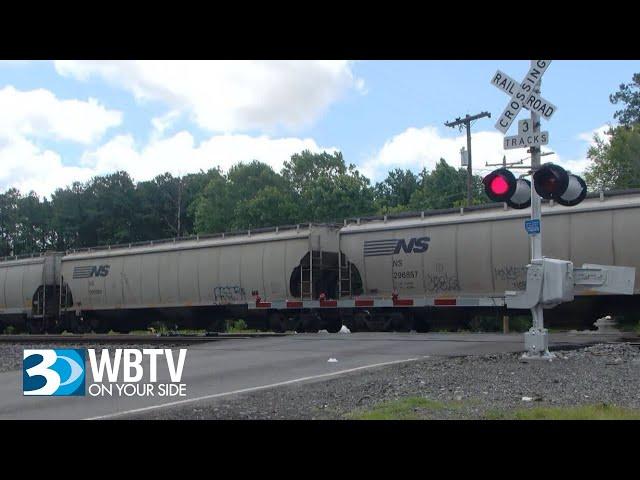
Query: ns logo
x=91 y=271
x=375 y=248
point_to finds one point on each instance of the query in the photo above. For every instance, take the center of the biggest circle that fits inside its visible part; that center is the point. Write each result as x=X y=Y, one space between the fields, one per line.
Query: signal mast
x=551 y=182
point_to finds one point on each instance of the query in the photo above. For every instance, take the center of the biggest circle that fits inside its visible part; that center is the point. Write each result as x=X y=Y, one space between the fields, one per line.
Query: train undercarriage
x=579 y=314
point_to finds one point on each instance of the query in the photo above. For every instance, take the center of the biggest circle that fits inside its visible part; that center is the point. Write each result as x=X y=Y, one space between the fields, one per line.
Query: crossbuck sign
x=523 y=95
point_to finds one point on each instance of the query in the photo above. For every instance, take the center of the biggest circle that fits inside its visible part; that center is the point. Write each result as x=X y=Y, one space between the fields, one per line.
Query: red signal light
x=499 y=186
x=554 y=183
x=502 y=186
x=550 y=181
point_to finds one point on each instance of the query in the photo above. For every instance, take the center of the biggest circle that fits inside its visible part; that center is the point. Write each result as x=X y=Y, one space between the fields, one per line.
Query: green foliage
x=326 y=188
x=214 y=207
x=616 y=163
x=410 y=408
x=394 y=193
x=270 y=206
x=629 y=95
x=445 y=187
x=238 y=326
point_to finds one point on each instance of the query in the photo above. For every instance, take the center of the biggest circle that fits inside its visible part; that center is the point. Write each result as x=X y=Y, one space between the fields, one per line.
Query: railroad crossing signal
x=523 y=95
x=554 y=183
x=550 y=181
x=502 y=186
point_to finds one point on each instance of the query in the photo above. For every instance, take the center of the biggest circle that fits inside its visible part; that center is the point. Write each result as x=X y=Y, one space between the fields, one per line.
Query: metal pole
x=537 y=335
x=536 y=207
x=505 y=318
x=469 y=170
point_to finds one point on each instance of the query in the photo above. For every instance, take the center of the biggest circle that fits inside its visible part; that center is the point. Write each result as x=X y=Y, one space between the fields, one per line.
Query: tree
x=394 y=193
x=33 y=224
x=193 y=185
x=629 y=95
x=271 y=206
x=8 y=221
x=616 y=162
x=304 y=168
x=108 y=213
x=326 y=188
x=445 y=187
x=247 y=179
x=215 y=207
x=254 y=185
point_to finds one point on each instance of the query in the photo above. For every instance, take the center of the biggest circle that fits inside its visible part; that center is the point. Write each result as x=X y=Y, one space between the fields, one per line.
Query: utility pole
x=466 y=122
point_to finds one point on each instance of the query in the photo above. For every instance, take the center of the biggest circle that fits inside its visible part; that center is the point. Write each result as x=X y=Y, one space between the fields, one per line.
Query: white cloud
x=39 y=113
x=164 y=122
x=27 y=167
x=179 y=154
x=418 y=148
x=588 y=136
x=229 y=96
x=30 y=116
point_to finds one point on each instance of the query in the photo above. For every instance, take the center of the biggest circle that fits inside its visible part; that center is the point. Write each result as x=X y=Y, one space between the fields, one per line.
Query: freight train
x=395 y=272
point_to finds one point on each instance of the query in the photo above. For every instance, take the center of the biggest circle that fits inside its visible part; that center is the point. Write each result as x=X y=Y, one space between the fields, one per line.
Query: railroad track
x=128 y=338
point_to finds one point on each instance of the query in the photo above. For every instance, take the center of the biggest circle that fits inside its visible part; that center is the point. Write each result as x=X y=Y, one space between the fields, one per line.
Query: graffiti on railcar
x=229 y=294
x=514 y=275
x=442 y=282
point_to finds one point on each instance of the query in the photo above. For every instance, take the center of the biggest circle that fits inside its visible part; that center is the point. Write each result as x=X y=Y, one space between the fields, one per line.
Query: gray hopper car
x=468 y=259
x=377 y=273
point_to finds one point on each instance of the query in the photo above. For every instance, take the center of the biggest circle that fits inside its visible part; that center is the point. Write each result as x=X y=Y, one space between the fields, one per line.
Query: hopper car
x=420 y=270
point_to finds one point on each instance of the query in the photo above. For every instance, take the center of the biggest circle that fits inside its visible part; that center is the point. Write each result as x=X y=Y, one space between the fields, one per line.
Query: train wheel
x=35 y=326
x=334 y=325
x=310 y=323
x=84 y=326
x=359 y=323
x=100 y=325
x=218 y=325
x=277 y=322
x=421 y=324
x=379 y=323
x=400 y=322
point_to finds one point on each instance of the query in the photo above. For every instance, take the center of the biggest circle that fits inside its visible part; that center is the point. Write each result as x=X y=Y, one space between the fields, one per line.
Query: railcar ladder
x=345 y=277
x=306 y=274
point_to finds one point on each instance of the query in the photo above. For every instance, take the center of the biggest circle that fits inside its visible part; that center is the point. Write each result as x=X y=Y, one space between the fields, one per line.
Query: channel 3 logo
x=58 y=372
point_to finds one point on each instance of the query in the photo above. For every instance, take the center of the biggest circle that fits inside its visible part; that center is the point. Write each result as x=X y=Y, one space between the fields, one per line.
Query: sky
x=66 y=121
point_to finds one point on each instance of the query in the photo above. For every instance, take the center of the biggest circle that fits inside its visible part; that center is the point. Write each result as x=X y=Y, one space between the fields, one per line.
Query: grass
x=405 y=409
x=417 y=408
x=583 y=412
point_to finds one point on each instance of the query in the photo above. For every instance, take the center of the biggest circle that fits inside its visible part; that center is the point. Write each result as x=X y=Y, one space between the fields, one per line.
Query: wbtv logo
x=53 y=372
x=91 y=271
x=375 y=248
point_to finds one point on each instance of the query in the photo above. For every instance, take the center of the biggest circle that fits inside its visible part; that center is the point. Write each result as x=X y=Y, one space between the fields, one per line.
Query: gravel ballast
x=474 y=387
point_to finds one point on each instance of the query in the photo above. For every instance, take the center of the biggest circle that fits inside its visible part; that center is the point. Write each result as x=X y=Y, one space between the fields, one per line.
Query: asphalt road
x=222 y=368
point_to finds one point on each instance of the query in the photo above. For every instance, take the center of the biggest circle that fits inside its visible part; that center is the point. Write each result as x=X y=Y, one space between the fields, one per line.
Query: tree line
x=317 y=187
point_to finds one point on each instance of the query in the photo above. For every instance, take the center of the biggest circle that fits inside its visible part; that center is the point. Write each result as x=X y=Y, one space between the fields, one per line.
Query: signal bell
x=554 y=183
x=502 y=186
